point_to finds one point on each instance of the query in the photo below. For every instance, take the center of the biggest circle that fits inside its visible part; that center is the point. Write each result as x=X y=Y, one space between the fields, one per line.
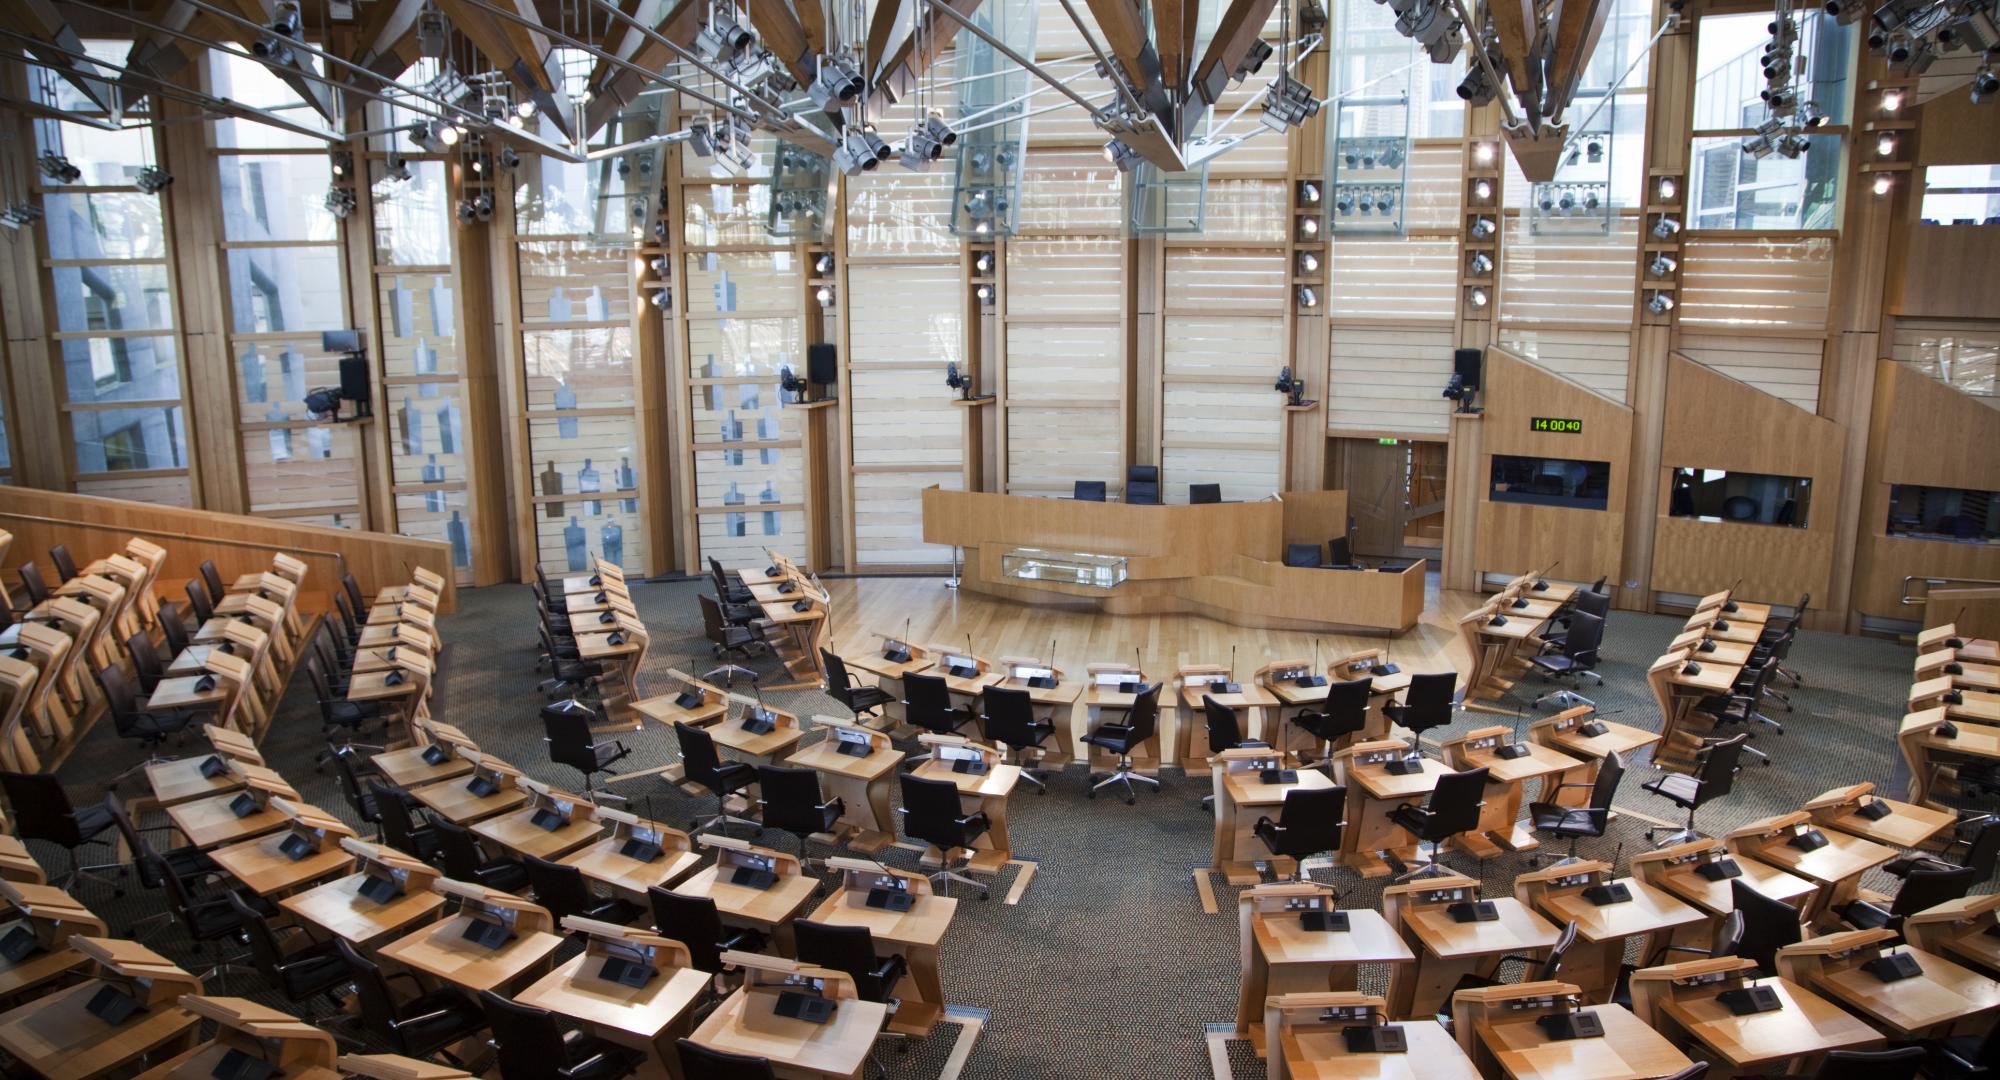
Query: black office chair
x=569 y=673
x=173 y=628
x=340 y=717
x=65 y=566
x=418 y=841
x=927 y=704
x=1586 y=603
x=353 y=590
x=861 y=699
x=1310 y=824
x=1978 y=834
x=1715 y=775
x=1225 y=732
x=148 y=727
x=852 y=949
x=1453 y=808
x=1768 y=925
x=566 y=728
x=41 y=810
x=32 y=584
x=1725 y=940
x=704 y=766
x=731 y=592
x=1428 y=703
x=1204 y=493
x=1577 y=822
x=727 y=639
x=347 y=765
x=187 y=862
x=1011 y=721
x=419 y=1027
x=1545 y=970
x=1900 y=1063
x=532 y=1046
x=564 y=891
x=1121 y=738
x=1744 y=703
x=1142 y=484
x=1966 y=1057
x=1302 y=555
x=207 y=919
x=300 y=974
x=1340 y=554
x=1577 y=659
x=146 y=662
x=350 y=626
x=792 y=803
x=1089 y=491
x=699 y=1060
x=1344 y=713
x=461 y=858
x=1693 y=1072
x=695 y=921
x=213 y=579
x=931 y=813
x=1922 y=889
x=200 y=603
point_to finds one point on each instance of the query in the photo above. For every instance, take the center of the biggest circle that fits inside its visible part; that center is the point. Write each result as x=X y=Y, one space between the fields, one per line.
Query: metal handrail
x=1934 y=582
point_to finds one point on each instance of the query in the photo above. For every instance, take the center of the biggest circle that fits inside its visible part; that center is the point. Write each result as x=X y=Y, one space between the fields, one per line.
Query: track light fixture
x=1892 y=100
x=837 y=82
x=342 y=164
x=284 y=29
x=1308 y=228
x=1481 y=264
x=466 y=215
x=1253 y=60
x=1666 y=227
x=1478 y=296
x=722 y=40
x=1667 y=189
x=984 y=293
x=152 y=179
x=509 y=159
x=1482 y=190
x=397 y=169
x=1308 y=262
x=661 y=298
x=1483 y=153
x=1663 y=265
x=339 y=201
x=861 y=150
x=824 y=294
x=1884 y=183
x=1482 y=228
x=1660 y=303
x=1476 y=88
x=1309 y=194
x=1308 y=296
x=982 y=263
x=823 y=264
x=56 y=167
x=1288 y=103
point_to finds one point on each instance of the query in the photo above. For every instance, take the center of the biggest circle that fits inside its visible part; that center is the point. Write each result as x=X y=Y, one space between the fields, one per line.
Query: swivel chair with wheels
x=927 y=704
x=699 y=1060
x=1922 y=889
x=566 y=729
x=1121 y=738
x=1453 y=808
x=565 y=891
x=1344 y=713
x=462 y=860
x=1899 y=1063
x=1427 y=704
x=146 y=662
x=705 y=766
x=1576 y=822
x=1225 y=732
x=1577 y=659
x=852 y=949
x=148 y=727
x=41 y=810
x=1768 y=925
x=726 y=639
x=418 y=1027
x=862 y=700
x=792 y=804
x=532 y=1046
x=695 y=921
x=1309 y=824
x=1713 y=779
x=298 y=974
x=931 y=813
x=1011 y=722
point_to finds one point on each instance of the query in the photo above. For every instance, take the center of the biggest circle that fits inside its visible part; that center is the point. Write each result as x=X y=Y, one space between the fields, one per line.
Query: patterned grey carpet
x=1108 y=967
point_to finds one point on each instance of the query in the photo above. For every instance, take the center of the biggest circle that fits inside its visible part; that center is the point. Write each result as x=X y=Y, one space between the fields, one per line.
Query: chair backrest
x=1339 y=552
x=213 y=579
x=371 y=993
x=1717 y=774
x=458 y=851
x=1728 y=937
x=1010 y=716
x=699 y=1060
x=698 y=754
x=40 y=808
x=198 y=600
x=144 y=861
x=346 y=611
x=32 y=583
x=1925 y=889
x=1552 y=966
x=1312 y=818
x=118 y=694
x=1347 y=704
x=395 y=816
x=343 y=758
x=1142 y=484
x=65 y=566
x=837 y=686
x=791 y=799
x=843 y=948
x=1090 y=490
x=559 y=888
x=1984 y=851
x=1609 y=772
x=173 y=627
x=1224 y=733
x=529 y=1040
x=145 y=658
x=1301 y=554
x=567 y=725
x=927 y=702
x=1585 y=632
x=1427 y=703
x=1768 y=925
x=321 y=689
x=691 y=920
x=1142 y=474
x=1144 y=716
x=1204 y=493
x=712 y=624
x=1593 y=603
x=353 y=590
x=931 y=810
x=1898 y=1064
x=1454 y=803
x=266 y=955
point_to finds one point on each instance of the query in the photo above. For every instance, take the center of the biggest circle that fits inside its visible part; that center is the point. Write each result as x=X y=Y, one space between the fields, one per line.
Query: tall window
x=1735 y=189
x=111 y=288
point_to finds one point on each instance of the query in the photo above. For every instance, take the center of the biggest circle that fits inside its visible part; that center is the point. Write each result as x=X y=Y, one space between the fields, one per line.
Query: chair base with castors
x=1124 y=773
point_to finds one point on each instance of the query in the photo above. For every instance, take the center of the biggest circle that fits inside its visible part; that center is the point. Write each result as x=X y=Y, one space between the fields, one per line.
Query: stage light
x=1481 y=264
x=342 y=163
x=509 y=159
x=1308 y=227
x=1663 y=265
x=1124 y=157
x=58 y=168
x=1660 y=304
x=398 y=168
x=824 y=294
x=1594 y=151
x=1477 y=296
x=1308 y=297
x=1668 y=189
x=660 y=298
x=524 y=109
x=1546 y=199
x=1308 y=263
x=1482 y=153
x=449 y=134
x=985 y=294
x=1309 y=193
x=1482 y=228
x=152 y=179
x=1892 y=100
x=1666 y=227
x=1883 y=184
x=465 y=212
x=1476 y=88
x=1344 y=204
x=1482 y=190
x=339 y=202
x=982 y=263
x=1885 y=145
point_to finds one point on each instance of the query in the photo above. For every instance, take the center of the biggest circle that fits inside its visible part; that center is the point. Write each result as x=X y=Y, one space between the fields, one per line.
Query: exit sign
x=1556 y=424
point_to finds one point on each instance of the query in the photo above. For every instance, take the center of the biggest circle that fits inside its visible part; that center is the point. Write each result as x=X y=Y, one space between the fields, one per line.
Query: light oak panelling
x=1568 y=275
x=1064 y=376
x=1788 y=368
x=1392 y=277
x=1389 y=379
x=1950 y=269
x=1716 y=422
x=176 y=490
x=1252 y=210
x=1224 y=341
x=1599 y=360
x=1076 y=276
x=1070 y=191
x=1764 y=284
x=904 y=326
x=1049 y=449
x=1516 y=537
x=895 y=212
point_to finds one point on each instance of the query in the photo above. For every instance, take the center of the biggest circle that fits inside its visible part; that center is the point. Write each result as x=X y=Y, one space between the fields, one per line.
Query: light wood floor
x=866 y=609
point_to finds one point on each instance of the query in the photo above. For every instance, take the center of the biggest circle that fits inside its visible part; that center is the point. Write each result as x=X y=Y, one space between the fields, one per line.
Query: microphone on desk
x=1615 y=856
x=968 y=646
x=1138 y=666
x=1232 y=664
x=1729 y=605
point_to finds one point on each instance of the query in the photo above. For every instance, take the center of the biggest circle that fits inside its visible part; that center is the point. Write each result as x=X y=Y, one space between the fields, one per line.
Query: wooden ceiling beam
x=1242 y=21
x=520 y=51
x=622 y=85
x=779 y=27
x=902 y=69
x=1514 y=22
x=1578 y=25
x=89 y=80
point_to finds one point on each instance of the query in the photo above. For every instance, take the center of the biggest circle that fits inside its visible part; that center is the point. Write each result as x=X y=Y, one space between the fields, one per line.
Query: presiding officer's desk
x=1222 y=560
x=1681 y=1002
x=856 y=765
x=1571 y=893
x=1434 y=915
x=1373 y=793
x=1966 y=930
x=1502 y=1029
x=1935 y=998
x=1250 y=783
x=868 y=896
x=1284 y=952
x=1305 y=1039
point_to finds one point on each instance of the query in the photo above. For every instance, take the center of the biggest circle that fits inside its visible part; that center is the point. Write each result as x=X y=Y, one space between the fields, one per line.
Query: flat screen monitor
x=340 y=341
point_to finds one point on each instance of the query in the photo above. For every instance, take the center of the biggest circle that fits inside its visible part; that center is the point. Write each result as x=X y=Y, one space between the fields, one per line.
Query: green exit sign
x=1556 y=424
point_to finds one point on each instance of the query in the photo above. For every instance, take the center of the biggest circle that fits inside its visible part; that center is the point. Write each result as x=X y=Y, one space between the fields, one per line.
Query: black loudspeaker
x=1465 y=363
x=354 y=382
x=822 y=363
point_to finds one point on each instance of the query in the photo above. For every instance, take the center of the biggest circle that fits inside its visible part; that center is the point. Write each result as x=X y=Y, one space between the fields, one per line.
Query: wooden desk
x=1628 y=1050
x=1805 y=1027
x=1961 y=929
x=1923 y=1006
x=17 y=865
x=889 y=674
x=1256 y=712
x=745 y=1023
x=181 y=780
x=455 y=803
x=297 y=1050
x=666 y=710
x=1280 y=956
x=764 y=749
x=1300 y=1038
x=798 y=637
x=861 y=783
x=1446 y=949
x=1056 y=704
x=1373 y=792
x=768 y=910
x=649 y=1018
x=337 y=909
x=407 y=769
x=1935 y=759
x=516 y=832
x=1837 y=867
x=441 y=952
x=605 y=861
x=1677 y=870
x=1562 y=733
x=1907 y=825
x=57 y=1037
x=53 y=917
x=1653 y=915
x=918 y=934
x=262 y=868
x=210 y=823
x=987 y=792
x=1241 y=797
x=183 y=692
x=1500 y=824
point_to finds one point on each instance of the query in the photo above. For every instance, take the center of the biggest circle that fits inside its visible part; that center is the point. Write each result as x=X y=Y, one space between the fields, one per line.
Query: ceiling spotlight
x=524 y=109
x=861 y=150
x=1885 y=145
x=1668 y=189
x=424 y=137
x=1568 y=200
x=58 y=168
x=983 y=263
x=1309 y=193
x=1791 y=146
x=658 y=264
x=342 y=163
x=1312 y=16
x=466 y=214
x=276 y=46
x=1309 y=227
x=1121 y=155
x=449 y=134
x=1344 y=205
x=1883 y=183
x=1391 y=156
x=1475 y=88
x=339 y=202
x=1590 y=200
x=823 y=264
x=1385 y=200
x=1477 y=296
x=1985 y=85
x=482 y=206
x=1308 y=297
x=508 y=158
x=1482 y=228
x=1546 y=200
x=1482 y=153
x=837 y=82
x=1289 y=103
x=1482 y=190
x=1308 y=263
x=1253 y=61
x=1666 y=227
x=1481 y=264
x=722 y=40
x=398 y=168
x=477 y=165
x=824 y=294
x=1593 y=151
x=1660 y=304
x=660 y=298
x=984 y=293
x=1663 y=265
x=152 y=179
x=1892 y=100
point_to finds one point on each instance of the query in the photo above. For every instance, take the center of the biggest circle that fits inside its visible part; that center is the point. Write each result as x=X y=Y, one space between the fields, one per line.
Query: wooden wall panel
x=904 y=324
x=1757 y=283
x=1411 y=280
x=1784 y=367
x=1568 y=277
x=1388 y=380
x=1598 y=359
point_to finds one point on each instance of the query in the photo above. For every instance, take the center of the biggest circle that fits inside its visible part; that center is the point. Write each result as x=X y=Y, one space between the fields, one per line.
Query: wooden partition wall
x=93 y=527
x=1716 y=422
x=1923 y=432
x=1515 y=537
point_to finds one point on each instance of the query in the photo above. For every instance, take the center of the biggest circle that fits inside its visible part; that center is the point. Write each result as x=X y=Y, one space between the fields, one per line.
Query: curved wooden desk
x=1222 y=560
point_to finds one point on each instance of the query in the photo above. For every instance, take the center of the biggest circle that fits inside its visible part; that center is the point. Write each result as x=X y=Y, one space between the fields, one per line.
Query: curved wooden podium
x=1222 y=560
